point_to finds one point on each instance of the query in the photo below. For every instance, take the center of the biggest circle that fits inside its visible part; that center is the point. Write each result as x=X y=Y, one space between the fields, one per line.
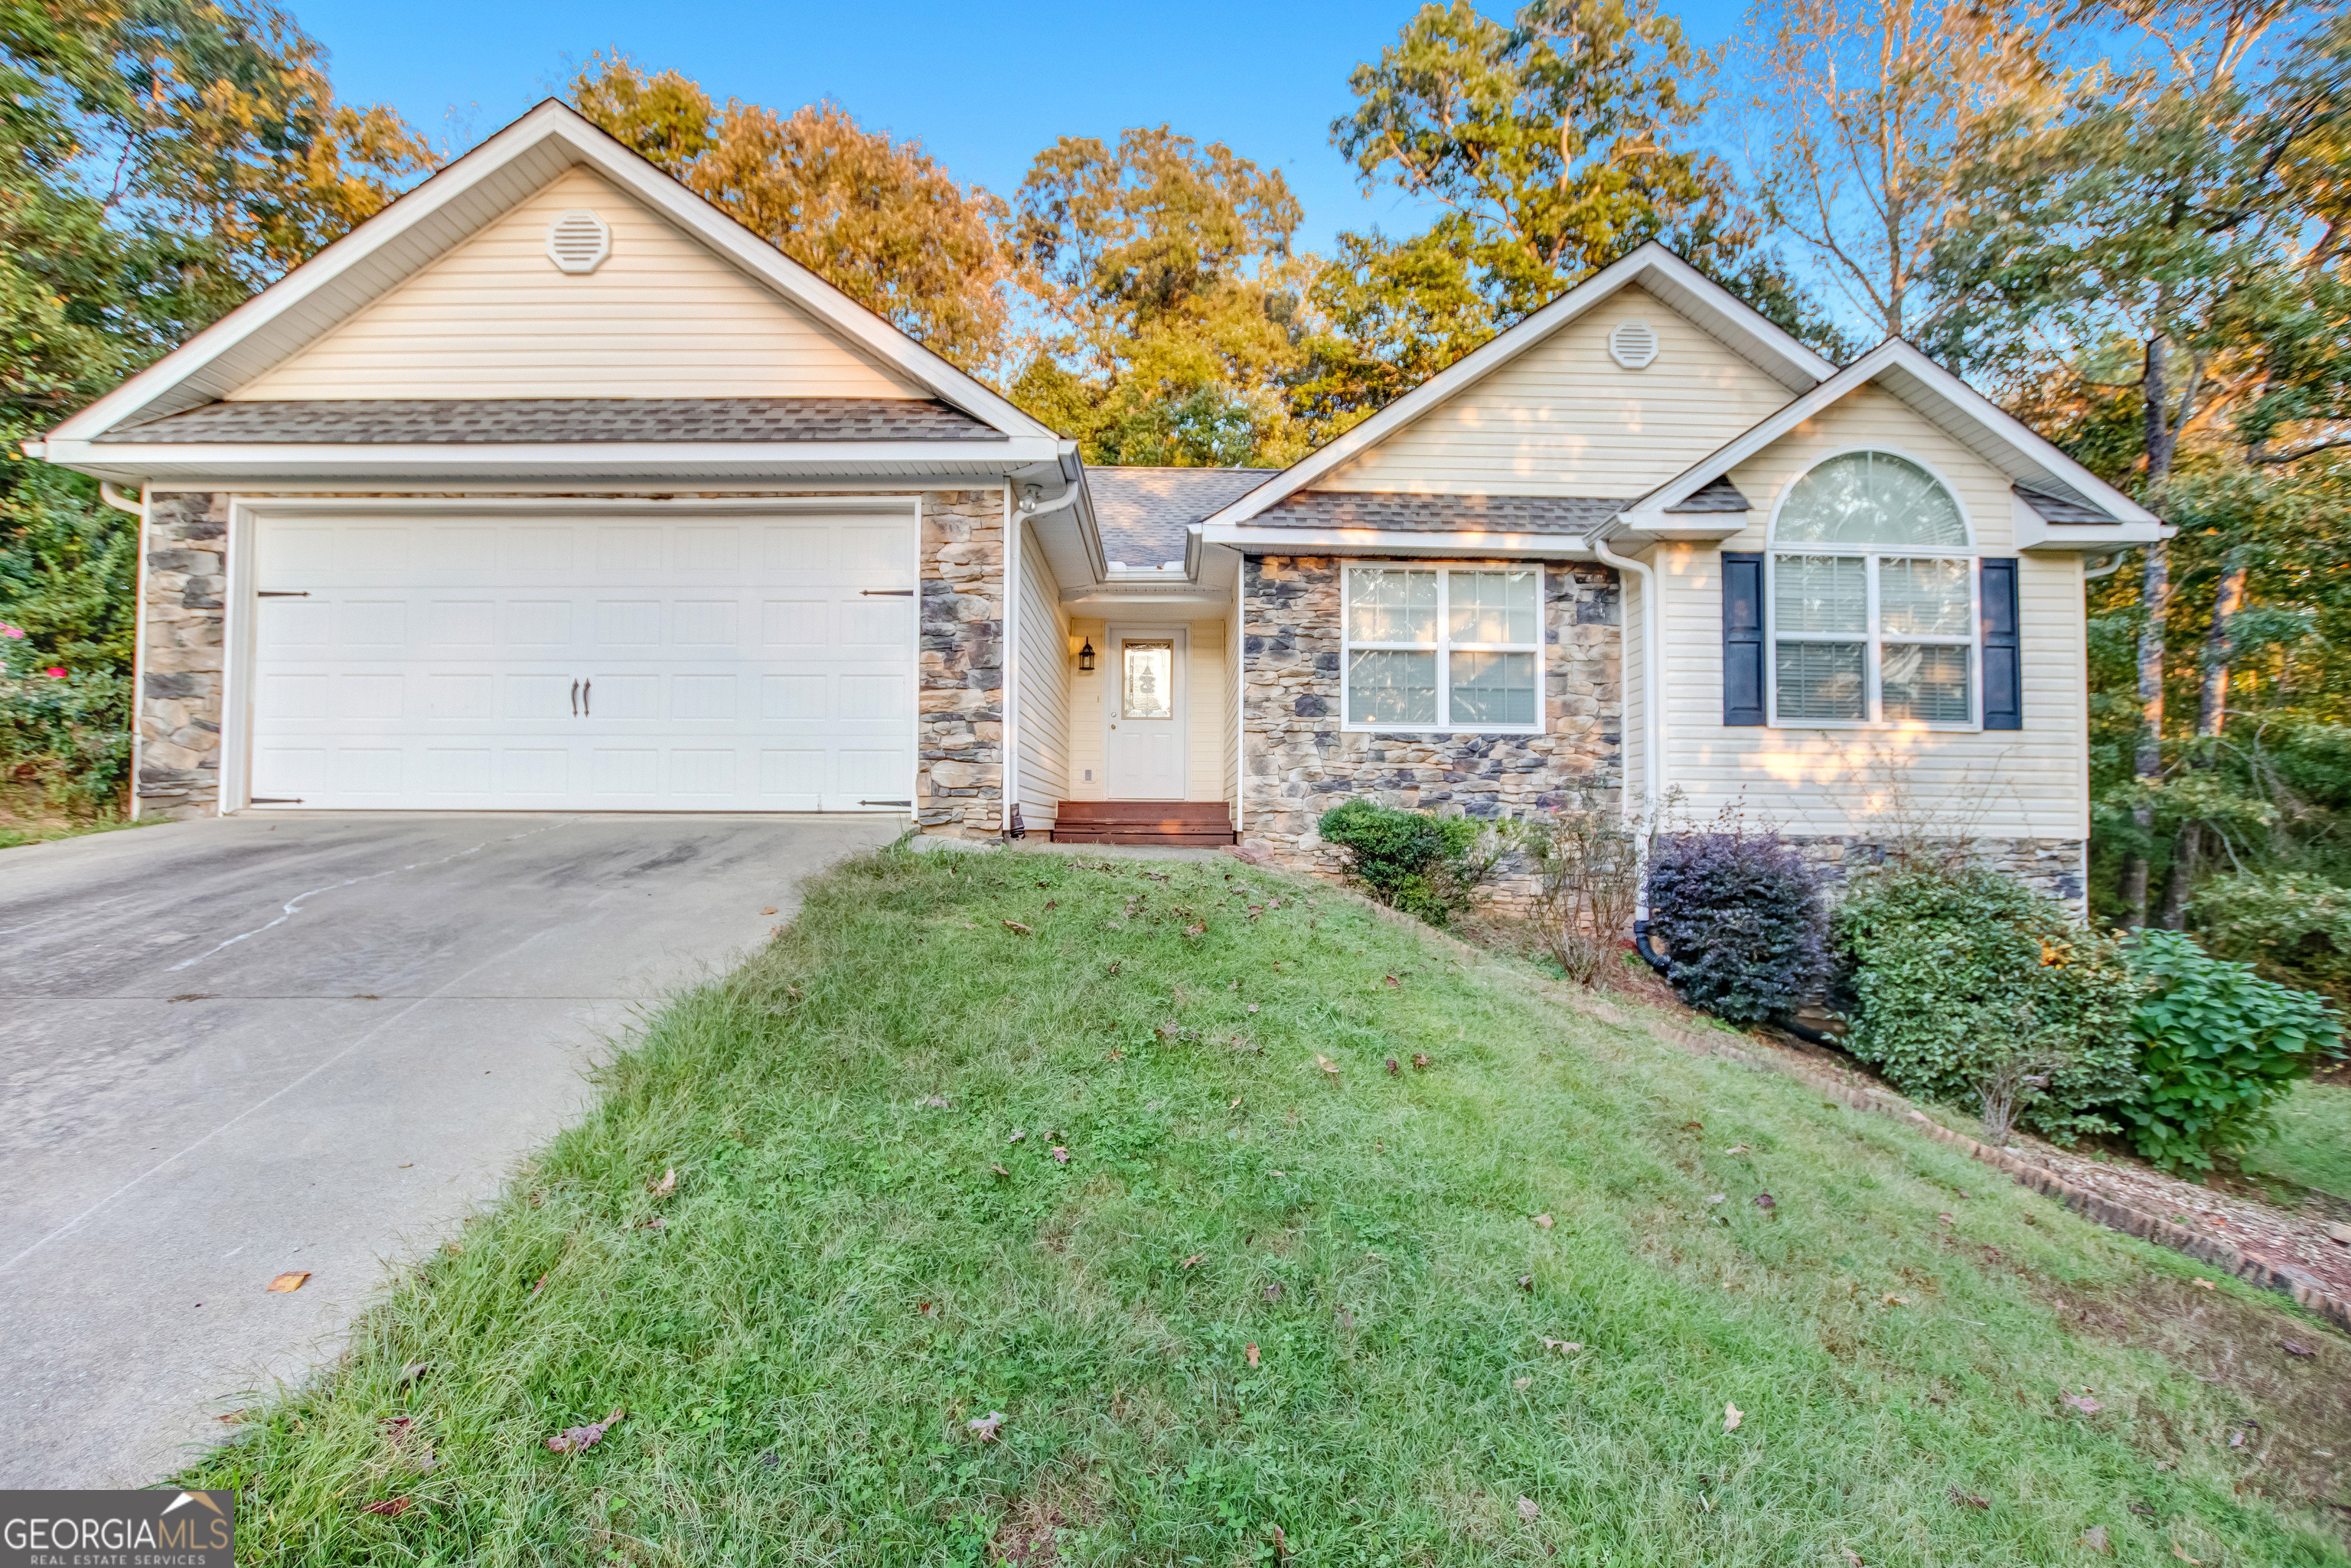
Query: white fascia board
x=2038 y=536
x=1394 y=541
x=123 y=459
x=585 y=144
x=2031 y=453
x=1766 y=340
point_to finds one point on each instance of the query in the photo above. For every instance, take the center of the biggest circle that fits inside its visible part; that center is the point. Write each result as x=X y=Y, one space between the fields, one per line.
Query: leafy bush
x=2219 y=1046
x=1966 y=985
x=1425 y=865
x=68 y=571
x=1740 y=914
x=2292 y=927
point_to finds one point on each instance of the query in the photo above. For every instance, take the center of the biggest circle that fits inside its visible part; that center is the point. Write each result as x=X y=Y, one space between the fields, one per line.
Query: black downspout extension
x=1651 y=957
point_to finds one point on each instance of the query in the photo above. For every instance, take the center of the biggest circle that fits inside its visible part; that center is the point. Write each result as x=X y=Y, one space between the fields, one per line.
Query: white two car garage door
x=757 y=662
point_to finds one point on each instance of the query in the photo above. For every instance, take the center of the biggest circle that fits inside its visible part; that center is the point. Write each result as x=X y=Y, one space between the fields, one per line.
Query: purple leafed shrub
x=1740 y=917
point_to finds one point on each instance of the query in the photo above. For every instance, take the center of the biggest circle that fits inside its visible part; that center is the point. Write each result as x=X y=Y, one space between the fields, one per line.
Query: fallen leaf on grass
x=1252 y=1355
x=1966 y=1498
x=938 y=1103
x=1394 y=981
x=2094 y=1538
x=284 y=1283
x=999 y=1170
x=769 y=910
x=1731 y=1416
x=1392 y=1067
x=541 y=1285
x=1526 y=1281
x=1520 y=1384
x=1527 y=1512
x=1714 y=1197
x=666 y=1186
x=1017 y=1136
x=2206 y=1285
x=2236 y=1439
x=1419 y=1062
x=1235 y=1105
x=1061 y=1156
x=580 y=1439
x=1765 y=1201
x=2293 y=1349
x=1852 y=1557
x=1544 y=1221
x=1893 y=1301
x=2083 y=1403
x=391 y=1507
x=1195 y=1258
x=1740 y=1149
x=2181 y=1552
x=411 y=1372
x=1945 y=1219
x=1328 y=1067
x=984 y=1427
x=1195 y=930
x=1015 y=926
x=1564 y=1346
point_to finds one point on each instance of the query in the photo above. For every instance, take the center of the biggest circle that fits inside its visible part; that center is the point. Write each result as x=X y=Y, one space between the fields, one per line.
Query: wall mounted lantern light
x=1086 y=657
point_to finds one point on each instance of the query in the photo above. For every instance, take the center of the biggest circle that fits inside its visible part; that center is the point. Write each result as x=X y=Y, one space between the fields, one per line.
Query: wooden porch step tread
x=1202 y=812
x=1209 y=839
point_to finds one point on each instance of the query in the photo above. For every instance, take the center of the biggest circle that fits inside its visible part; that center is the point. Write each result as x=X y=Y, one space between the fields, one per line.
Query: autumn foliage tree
x=874 y=217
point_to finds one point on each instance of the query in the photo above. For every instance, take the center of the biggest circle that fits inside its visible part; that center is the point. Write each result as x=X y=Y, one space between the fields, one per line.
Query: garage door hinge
x=283 y=593
x=887 y=592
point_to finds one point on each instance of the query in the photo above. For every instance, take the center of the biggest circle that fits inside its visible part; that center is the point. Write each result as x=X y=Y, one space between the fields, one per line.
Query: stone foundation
x=2057 y=867
x=1298 y=762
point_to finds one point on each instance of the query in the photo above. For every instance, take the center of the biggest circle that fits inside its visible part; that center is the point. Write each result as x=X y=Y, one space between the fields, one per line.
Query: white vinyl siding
x=1206 y=717
x=495 y=319
x=1044 y=694
x=1564 y=419
x=1086 y=718
x=2029 y=782
x=1230 y=749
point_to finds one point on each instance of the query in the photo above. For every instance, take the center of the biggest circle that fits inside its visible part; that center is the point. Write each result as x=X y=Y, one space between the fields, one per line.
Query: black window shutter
x=2003 y=652
x=1743 y=637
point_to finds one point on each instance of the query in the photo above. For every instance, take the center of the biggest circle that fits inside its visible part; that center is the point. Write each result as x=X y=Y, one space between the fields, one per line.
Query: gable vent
x=1633 y=344
x=578 y=241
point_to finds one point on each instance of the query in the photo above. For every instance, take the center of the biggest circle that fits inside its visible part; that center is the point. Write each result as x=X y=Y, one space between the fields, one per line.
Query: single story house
x=551 y=488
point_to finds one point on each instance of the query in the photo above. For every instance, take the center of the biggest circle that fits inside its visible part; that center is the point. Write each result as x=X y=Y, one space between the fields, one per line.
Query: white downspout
x=1008 y=727
x=1653 y=695
x=113 y=496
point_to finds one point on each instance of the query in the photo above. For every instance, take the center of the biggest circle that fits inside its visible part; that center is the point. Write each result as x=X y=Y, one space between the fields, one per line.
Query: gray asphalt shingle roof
x=2061 y=508
x=1488 y=514
x=1717 y=495
x=468 y=421
x=1142 y=512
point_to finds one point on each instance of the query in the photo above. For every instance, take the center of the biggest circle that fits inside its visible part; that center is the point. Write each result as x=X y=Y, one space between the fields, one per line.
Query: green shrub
x=1425 y=865
x=1740 y=913
x=2219 y=1046
x=2292 y=927
x=69 y=567
x=1964 y=984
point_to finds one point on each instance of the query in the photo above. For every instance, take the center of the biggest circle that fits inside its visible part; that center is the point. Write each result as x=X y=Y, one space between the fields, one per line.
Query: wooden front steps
x=1176 y=823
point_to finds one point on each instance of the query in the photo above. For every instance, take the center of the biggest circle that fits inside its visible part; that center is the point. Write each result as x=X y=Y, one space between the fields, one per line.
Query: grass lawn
x=2313 y=1148
x=1266 y=1311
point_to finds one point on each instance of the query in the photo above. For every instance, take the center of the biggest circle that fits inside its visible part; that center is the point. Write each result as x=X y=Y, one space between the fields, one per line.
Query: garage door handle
x=886 y=593
x=587 y=697
x=283 y=593
x=575 y=699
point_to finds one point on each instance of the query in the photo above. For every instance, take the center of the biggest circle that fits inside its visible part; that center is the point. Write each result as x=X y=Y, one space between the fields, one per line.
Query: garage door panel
x=718 y=665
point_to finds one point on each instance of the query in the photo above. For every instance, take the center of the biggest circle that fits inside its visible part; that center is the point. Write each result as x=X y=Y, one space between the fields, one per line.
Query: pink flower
x=54 y=672
x=8 y=630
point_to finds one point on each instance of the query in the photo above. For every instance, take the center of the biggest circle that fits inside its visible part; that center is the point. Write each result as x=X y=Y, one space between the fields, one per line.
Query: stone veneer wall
x=1298 y=763
x=960 y=787
x=2058 y=867
x=177 y=709
x=960 y=793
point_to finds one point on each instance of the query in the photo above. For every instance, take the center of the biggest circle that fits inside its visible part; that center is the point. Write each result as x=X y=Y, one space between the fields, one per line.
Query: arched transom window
x=1873 y=598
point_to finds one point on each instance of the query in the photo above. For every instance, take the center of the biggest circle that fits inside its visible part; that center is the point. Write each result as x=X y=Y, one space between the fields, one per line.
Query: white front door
x=1144 y=753
x=757 y=662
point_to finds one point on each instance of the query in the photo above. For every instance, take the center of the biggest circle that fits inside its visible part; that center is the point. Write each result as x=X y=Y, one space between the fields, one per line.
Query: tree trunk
x=2187 y=859
x=2212 y=707
x=2155 y=599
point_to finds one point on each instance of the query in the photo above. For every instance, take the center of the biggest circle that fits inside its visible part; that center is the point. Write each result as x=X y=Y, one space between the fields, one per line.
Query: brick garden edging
x=2254 y=1269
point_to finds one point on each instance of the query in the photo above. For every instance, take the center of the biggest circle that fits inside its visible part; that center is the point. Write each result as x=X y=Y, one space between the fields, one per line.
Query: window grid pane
x=1870 y=498
x=1821 y=681
x=1493 y=688
x=1924 y=683
x=1821 y=594
x=1924 y=598
x=1392 y=606
x=1492 y=607
x=1390 y=687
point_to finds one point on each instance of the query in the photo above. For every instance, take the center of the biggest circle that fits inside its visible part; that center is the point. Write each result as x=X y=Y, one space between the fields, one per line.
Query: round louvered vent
x=578 y=241
x=1633 y=344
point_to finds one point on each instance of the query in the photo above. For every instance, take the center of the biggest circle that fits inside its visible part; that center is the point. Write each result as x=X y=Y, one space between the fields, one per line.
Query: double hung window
x=1438 y=648
x=1872 y=599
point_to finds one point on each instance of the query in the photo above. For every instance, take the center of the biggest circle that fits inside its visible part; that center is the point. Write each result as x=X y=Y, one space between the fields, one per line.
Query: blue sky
x=983 y=87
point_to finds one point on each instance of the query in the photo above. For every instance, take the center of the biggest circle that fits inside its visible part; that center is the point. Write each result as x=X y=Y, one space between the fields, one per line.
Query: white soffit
x=457 y=202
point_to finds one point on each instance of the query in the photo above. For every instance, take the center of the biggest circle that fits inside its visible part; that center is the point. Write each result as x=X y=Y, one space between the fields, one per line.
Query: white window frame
x=1874 y=637
x=1442 y=647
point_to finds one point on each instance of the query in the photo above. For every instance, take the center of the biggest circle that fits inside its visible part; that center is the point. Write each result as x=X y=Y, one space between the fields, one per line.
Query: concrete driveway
x=239 y=1047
